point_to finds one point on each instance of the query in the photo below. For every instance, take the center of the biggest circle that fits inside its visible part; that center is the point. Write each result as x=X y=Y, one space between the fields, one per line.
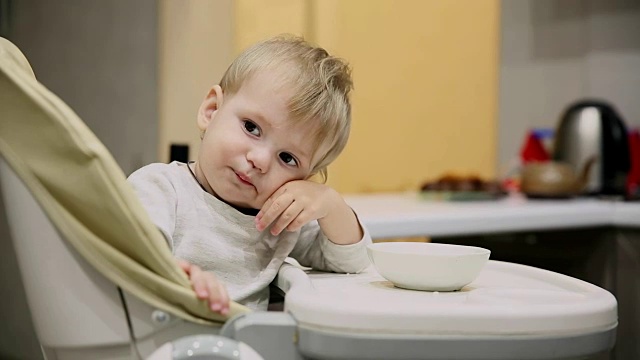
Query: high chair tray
x=509 y=310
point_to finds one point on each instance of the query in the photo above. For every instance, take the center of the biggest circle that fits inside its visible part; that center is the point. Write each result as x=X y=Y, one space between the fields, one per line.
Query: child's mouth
x=244 y=179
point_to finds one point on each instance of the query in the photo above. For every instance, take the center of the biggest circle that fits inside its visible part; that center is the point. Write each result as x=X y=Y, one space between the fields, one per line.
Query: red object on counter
x=533 y=150
x=633 y=179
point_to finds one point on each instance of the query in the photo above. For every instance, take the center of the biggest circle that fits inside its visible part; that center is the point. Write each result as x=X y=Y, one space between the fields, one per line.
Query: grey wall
x=556 y=51
x=100 y=57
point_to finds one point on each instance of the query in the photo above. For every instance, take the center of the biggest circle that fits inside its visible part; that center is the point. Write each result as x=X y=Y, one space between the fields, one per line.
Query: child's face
x=250 y=148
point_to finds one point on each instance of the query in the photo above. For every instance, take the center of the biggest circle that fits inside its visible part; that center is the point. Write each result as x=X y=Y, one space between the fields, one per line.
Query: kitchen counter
x=626 y=214
x=406 y=214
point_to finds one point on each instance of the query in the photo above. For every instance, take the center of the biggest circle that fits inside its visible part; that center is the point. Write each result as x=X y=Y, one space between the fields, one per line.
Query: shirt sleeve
x=158 y=196
x=314 y=249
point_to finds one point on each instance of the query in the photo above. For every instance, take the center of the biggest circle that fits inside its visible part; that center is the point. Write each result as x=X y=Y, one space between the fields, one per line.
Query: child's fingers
x=199 y=282
x=184 y=265
x=218 y=298
x=303 y=217
x=225 y=300
x=267 y=204
x=287 y=217
x=206 y=286
x=273 y=210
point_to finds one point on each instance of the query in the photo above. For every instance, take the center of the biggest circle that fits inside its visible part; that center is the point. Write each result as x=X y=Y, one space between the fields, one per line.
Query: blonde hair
x=320 y=83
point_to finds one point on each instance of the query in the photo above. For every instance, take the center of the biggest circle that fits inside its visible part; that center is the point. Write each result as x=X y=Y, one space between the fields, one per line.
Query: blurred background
x=441 y=86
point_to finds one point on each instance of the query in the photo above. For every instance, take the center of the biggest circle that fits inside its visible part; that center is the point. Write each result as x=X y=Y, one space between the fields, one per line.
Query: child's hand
x=207 y=286
x=296 y=203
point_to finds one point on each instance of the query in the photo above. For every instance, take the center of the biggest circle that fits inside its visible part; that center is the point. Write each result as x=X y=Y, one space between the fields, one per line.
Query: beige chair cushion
x=85 y=193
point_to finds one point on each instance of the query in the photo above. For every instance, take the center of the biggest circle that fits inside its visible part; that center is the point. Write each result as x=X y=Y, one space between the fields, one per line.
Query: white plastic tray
x=505 y=299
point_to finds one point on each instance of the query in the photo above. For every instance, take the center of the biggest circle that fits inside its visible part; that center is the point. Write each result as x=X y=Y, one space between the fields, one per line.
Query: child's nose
x=259 y=159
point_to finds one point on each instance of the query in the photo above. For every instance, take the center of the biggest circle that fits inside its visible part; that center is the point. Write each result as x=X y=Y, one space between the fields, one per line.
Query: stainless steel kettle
x=591 y=128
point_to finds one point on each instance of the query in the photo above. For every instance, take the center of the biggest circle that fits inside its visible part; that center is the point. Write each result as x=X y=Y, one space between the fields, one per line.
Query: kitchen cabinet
x=590 y=239
x=627 y=290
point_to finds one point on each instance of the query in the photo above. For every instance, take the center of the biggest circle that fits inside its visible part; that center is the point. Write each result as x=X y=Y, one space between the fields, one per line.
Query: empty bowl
x=428 y=266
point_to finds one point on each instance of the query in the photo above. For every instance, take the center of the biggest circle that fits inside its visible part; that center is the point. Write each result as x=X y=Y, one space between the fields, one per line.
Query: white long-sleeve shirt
x=213 y=235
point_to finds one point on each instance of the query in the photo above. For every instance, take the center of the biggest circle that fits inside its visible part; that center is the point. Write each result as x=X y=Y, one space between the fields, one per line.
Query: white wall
x=556 y=51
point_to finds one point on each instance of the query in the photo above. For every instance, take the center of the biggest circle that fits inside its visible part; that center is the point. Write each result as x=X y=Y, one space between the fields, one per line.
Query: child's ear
x=210 y=105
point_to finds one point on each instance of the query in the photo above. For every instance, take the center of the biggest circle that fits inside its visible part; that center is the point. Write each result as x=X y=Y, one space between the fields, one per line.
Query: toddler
x=280 y=115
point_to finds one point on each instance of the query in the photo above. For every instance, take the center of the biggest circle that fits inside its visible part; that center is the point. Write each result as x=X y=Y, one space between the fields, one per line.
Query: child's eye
x=288 y=159
x=251 y=127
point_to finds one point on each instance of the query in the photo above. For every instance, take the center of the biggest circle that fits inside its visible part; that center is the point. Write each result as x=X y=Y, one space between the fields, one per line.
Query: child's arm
x=314 y=249
x=157 y=195
x=296 y=203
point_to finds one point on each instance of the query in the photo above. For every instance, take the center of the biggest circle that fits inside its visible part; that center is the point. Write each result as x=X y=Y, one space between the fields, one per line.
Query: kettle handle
x=615 y=152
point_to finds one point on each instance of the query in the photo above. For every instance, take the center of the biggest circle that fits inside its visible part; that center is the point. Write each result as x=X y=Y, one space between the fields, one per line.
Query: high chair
x=111 y=290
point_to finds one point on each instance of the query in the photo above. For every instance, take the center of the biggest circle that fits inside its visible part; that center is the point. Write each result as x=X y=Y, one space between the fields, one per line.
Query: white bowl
x=428 y=266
